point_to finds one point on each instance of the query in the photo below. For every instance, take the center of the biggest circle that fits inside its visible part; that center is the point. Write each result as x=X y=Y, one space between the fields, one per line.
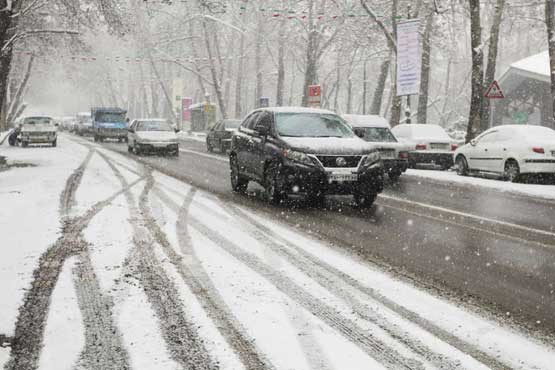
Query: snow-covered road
x=115 y=266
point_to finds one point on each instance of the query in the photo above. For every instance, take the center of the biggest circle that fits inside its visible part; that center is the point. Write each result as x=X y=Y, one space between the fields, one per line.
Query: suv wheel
x=316 y=199
x=272 y=184
x=394 y=175
x=209 y=147
x=239 y=183
x=364 y=200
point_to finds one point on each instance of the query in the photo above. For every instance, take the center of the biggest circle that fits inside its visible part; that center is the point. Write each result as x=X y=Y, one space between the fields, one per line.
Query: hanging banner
x=185 y=111
x=408 y=57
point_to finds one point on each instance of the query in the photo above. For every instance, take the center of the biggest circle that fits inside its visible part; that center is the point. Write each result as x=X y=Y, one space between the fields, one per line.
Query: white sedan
x=510 y=150
x=152 y=135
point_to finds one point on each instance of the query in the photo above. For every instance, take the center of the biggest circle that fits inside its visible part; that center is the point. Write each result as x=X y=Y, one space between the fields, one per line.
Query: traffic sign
x=494 y=91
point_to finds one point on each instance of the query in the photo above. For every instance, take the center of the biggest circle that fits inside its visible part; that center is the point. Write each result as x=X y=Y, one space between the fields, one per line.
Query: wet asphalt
x=482 y=247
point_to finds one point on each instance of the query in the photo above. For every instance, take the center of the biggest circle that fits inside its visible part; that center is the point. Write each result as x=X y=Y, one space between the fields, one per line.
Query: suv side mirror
x=473 y=142
x=359 y=133
x=262 y=130
x=176 y=130
x=130 y=130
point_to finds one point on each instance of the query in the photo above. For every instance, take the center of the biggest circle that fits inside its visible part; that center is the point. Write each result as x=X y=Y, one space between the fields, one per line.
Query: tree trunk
x=475 y=114
x=281 y=65
x=380 y=87
x=349 y=96
x=216 y=82
x=258 y=59
x=396 y=103
x=311 y=55
x=492 y=60
x=425 y=71
x=16 y=101
x=549 y=9
x=239 y=81
x=364 y=88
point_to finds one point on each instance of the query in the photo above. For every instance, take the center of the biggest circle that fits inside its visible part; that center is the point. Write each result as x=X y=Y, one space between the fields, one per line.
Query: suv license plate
x=341 y=177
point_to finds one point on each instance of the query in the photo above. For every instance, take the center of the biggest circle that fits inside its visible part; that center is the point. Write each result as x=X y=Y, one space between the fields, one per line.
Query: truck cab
x=109 y=123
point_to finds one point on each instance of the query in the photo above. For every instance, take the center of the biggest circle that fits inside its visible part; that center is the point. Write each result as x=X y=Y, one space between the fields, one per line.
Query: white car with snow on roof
x=37 y=130
x=375 y=129
x=429 y=143
x=510 y=151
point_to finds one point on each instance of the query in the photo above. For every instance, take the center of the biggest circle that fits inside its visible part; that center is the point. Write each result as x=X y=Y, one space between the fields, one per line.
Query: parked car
x=430 y=144
x=375 y=129
x=152 y=135
x=510 y=151
x=220 y=134
x=37 y=130
x=301 y=150
x=83 y=124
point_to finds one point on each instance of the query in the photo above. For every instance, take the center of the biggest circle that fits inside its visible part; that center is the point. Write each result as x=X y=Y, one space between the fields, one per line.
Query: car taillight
x=403 y=155
x=538 y=150
x=454 y=147
x=421 y=146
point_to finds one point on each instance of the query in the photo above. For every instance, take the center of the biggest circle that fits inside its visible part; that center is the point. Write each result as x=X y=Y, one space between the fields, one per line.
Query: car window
x=231 y=124
x=249 y=121
x=264 y=119
x=375 y=134
x=153 y=126
x=311 y=125
x=489 y=137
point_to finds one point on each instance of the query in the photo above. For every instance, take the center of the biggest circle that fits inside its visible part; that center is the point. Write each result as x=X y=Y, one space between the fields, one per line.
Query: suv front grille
x=351 y=161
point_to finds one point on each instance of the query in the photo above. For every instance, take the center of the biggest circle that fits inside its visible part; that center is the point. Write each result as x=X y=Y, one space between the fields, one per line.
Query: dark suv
x=302 y=150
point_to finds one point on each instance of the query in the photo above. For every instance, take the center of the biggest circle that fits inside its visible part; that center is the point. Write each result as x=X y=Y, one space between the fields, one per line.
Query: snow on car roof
x=368 y=120
x=297 y=110
x=421 y=130
x=530 y=131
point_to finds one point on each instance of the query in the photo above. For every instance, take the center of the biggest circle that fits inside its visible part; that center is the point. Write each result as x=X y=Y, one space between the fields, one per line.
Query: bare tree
x=475 y=113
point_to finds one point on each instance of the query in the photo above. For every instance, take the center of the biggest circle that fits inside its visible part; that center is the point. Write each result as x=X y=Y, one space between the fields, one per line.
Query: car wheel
x=95 y=138
x=222 y=147
x=120 y=140
x=136 y=150
x=24 y=144
x=209 y=147
x=239 y=183
x=55 y=143
x=274 y=193
x=462 y=166
x=394 y=175
x=512 y=171
x=364 y=200
x=412 y=164
x=129 y=149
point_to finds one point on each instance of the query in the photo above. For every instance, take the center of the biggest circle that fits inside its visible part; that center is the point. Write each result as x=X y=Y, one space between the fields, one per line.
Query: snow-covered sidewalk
x=150 y=273
x=190 y=135
x=534 y=190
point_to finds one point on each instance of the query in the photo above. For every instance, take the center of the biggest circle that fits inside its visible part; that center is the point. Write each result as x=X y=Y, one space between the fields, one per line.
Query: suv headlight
x=372 y=158
x=300 y=157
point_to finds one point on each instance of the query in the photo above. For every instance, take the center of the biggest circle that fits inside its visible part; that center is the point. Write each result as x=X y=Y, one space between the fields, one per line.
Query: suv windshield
x=311 y=125
x=108 y=117
x=37 y=121
x=154 y=126
x=375 y=134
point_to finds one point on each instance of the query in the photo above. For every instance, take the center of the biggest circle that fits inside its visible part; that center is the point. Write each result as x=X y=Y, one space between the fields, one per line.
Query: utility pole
x=408 y=109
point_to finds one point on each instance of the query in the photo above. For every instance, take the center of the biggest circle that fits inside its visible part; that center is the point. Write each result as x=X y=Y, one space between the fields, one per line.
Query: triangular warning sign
x=494 y=91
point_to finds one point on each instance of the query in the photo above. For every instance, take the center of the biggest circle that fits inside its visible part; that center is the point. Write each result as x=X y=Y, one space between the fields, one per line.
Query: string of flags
x=126 y=59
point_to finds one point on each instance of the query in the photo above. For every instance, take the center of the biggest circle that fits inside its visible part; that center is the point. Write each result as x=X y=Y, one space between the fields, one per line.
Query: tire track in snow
x=104 y=349
x=316 y=358
x=196 y=278
x=31 y=320
x=337 y=280
x=180 y=335
x=375 y=348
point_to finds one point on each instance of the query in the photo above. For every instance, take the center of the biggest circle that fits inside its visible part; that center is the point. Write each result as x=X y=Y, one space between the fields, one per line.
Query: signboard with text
x=408 y=57
x=314 y=95
x=185 y=111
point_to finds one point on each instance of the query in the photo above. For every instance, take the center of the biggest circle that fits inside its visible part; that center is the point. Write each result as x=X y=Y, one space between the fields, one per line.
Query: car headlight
x=372 y=158
x=300 y=157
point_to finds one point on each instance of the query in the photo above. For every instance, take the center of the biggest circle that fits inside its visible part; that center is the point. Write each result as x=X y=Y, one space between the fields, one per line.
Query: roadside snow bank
x=190 y=135
x=535 y=190
x=29 y=218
